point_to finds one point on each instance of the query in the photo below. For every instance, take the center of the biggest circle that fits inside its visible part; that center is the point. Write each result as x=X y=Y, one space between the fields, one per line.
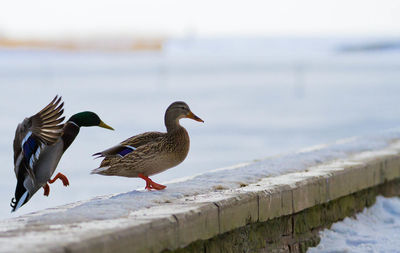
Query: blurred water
x=258 y=97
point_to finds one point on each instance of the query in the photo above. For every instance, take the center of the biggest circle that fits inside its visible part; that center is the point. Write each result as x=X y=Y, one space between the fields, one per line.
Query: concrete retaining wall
x=295 y=232
x=282 y=213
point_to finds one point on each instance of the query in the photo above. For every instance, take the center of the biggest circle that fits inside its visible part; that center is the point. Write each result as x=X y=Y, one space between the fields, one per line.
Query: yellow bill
x=104 y=125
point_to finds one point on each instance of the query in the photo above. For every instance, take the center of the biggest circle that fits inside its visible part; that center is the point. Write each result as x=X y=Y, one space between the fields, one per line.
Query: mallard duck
x=39 y=143
x=150 y=153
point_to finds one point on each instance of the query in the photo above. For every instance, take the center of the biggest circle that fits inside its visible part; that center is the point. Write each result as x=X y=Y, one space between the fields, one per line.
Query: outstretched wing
x=35 y=132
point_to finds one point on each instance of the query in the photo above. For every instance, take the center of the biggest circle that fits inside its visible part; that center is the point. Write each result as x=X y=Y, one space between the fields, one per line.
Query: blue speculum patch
x=30 y=146
x=125 y=151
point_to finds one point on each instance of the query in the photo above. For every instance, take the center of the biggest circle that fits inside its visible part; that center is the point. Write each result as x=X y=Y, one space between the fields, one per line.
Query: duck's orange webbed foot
x=62 y=177
x=150 y=185
x=46 y=189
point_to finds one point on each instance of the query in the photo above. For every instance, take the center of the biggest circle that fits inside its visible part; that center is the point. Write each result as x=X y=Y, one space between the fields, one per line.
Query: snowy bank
x=281 y=195
x=376 y=229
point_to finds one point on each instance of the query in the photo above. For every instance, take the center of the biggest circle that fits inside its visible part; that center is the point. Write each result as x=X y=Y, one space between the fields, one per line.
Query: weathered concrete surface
x=292 y=206
x=295 y=232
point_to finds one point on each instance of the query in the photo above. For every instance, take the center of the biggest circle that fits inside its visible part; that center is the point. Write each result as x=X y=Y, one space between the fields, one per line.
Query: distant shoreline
x=108 y=44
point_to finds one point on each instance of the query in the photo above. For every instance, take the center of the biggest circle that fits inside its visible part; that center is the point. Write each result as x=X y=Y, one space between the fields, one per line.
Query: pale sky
x=54 y=18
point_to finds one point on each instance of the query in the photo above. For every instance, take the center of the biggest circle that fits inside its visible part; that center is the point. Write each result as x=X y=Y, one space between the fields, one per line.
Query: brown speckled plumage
x=150 y=152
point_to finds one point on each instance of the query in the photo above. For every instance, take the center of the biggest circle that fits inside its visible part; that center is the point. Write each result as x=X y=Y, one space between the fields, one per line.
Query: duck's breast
x=47 y=162
x=173 y=152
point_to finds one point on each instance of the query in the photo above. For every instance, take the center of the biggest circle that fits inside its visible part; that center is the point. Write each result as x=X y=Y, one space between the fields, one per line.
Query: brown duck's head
x=179 y=110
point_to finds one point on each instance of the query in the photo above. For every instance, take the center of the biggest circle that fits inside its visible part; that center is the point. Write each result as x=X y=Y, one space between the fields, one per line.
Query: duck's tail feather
x=21 y=195
x=99 y=170
x=17 y=203
x=98 y=155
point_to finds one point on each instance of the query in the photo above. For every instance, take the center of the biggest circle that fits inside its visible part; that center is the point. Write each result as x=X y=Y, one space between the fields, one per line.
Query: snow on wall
x=120 y=205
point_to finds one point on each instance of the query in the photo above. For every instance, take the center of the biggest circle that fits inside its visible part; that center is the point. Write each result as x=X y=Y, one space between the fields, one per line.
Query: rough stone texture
x=309 y=193
x=237 y=211
x=249 y=238
x=152 y=236
x=276 y=214
x=275 y=203
x=201 y=223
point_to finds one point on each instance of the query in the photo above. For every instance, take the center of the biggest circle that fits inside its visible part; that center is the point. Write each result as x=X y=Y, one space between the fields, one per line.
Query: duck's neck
x=171 y=123
x=70 y=132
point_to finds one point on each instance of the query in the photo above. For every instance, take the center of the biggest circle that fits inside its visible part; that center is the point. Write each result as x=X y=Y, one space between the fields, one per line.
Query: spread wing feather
x=35 y=132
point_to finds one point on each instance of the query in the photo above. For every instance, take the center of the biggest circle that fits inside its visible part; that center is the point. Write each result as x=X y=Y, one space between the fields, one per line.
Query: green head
x=87 y=119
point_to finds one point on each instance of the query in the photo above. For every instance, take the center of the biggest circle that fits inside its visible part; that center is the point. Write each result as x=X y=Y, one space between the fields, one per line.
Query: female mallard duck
x=150 y=153
x=39 y=143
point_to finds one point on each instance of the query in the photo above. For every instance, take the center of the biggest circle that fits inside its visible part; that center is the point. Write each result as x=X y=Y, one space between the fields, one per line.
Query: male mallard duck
x=39 y=143
x=150 y=153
